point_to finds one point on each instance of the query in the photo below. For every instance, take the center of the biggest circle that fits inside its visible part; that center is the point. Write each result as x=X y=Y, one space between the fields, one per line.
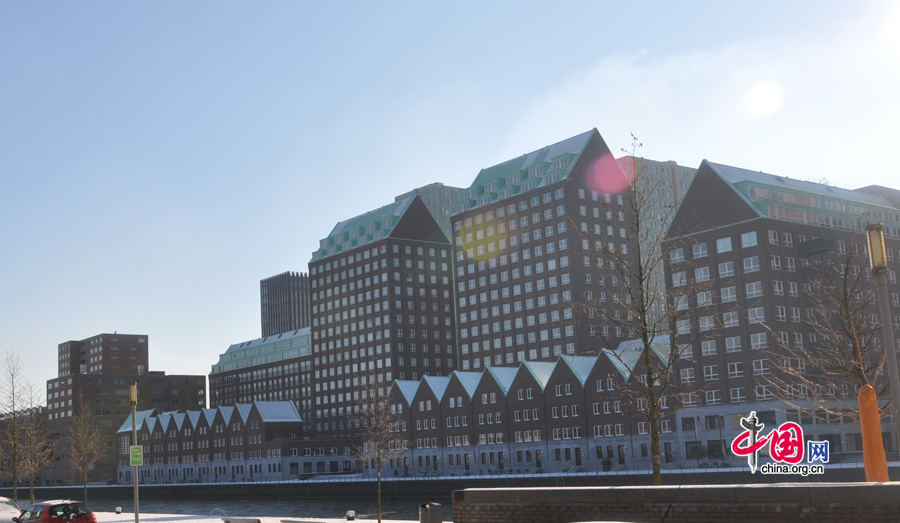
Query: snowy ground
x=111 y=517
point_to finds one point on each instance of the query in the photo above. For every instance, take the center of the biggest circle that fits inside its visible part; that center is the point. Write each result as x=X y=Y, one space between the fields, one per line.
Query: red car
x=56 y=511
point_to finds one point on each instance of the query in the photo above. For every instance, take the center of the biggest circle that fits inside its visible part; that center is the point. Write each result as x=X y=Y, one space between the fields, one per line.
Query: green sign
x=137 y=455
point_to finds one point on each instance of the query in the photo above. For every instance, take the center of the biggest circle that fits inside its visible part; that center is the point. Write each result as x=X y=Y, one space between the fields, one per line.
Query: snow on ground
x=111 y=517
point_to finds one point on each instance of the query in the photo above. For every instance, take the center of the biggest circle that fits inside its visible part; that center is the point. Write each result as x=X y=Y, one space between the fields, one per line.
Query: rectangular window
x=748 y=239
x=723 y=245
x=733 y=344
x=756 y=315
x=726 y=269
x=729 y=294
x=758 y=341
x=700 y=250
x=753 y=289
x=701 y=274
x=751 y=264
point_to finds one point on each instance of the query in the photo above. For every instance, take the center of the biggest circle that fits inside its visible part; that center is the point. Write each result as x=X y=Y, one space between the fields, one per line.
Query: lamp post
x=878 y=263
x=134 y=474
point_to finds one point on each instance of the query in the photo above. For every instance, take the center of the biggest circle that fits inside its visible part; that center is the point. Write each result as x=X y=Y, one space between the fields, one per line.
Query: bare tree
x=85 y=444
x=379 y=426
x=10 y=386
x=836 y=349
x=36 y=445
x=635 y=298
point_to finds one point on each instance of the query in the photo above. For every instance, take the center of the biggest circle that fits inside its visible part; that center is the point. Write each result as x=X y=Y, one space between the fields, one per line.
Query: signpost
x=137 y=451
x=137 y=455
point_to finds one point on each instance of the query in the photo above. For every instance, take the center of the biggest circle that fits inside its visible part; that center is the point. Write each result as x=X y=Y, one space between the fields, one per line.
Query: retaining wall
x=773 y=503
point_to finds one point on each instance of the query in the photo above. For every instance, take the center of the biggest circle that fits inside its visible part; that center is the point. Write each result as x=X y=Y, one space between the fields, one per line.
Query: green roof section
x=530 y=171
x=278 y=347
x=363 y=229
x=804 y=201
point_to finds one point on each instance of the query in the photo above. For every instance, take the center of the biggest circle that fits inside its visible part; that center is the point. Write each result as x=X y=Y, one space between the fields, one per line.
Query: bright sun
x=764 y=99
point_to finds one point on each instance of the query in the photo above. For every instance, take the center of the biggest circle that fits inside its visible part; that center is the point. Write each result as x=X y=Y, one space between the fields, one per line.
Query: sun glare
x=763 y=99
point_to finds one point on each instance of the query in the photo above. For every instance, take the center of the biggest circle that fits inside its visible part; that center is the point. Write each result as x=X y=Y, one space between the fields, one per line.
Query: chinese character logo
x=785 y=446
x=785 y=443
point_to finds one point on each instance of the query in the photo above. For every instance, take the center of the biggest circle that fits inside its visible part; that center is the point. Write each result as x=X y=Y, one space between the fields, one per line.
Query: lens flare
x=764 y=99
x=605 y=176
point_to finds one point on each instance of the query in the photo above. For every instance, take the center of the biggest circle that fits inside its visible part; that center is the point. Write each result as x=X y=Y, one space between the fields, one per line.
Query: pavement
x=128 y=517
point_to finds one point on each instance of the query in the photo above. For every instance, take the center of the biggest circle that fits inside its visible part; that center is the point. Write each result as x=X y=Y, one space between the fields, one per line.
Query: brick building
x=95 y=374
x=520 y=252
x=761 y=239
x=382 y=308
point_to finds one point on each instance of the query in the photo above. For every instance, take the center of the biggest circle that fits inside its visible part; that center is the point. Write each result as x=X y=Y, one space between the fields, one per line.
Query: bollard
x=118 y=510
x=351 y=515
x=430 y=513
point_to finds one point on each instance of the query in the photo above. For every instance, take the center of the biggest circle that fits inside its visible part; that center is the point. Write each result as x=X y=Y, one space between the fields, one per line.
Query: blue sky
x=157 y=160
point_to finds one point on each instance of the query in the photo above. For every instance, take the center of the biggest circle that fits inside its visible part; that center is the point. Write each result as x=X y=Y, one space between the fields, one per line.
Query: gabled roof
x=227 y=411
x=438 y=385
x=363 y=229
x=504 y=376
x=407 y=388
x=277 y=411
x=626 y=356
x=210 y=415
x=141 y=418
x=541 y=370
x=581 y=366
x=469 y=381
x=179 y=419
x=243 y=410
x=194 y=417
x=526 y=172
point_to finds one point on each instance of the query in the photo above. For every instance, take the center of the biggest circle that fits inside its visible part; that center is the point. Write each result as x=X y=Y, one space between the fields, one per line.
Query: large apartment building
x=523 y=257
x=382 y=308
x=755 y=244
x=273 y=368
x=95 y=374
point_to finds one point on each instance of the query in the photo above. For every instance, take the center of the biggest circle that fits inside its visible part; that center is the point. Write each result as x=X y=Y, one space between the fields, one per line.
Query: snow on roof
x=277 y=411
x=504 y=376
x=469 y=380
x=438 y=385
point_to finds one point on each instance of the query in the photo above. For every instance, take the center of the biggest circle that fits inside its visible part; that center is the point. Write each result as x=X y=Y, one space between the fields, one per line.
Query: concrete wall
x=782 y=502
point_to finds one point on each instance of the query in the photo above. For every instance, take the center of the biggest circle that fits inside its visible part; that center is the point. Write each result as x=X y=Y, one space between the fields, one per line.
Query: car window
x=32 y=512
x=78 y=509
x=8 y=503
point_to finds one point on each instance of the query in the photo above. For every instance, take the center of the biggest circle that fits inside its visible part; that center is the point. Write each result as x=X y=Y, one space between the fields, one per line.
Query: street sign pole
x=136 y=451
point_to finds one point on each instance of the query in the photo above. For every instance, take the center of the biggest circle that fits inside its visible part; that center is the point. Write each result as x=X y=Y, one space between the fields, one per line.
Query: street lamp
x=878 y=263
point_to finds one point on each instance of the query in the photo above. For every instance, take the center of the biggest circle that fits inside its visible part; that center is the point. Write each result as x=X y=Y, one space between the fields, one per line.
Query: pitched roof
x=179 y=419
x=438 y=385
x=526 y=172
x=581 y=365
x=541 y=370
x=277 y=411
x=140 y=418
x=504 y=376
x=737 y=175
x=407 y=388
x=243 y=410
x=625 y=357
x=469 y=380
x=363 y=229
